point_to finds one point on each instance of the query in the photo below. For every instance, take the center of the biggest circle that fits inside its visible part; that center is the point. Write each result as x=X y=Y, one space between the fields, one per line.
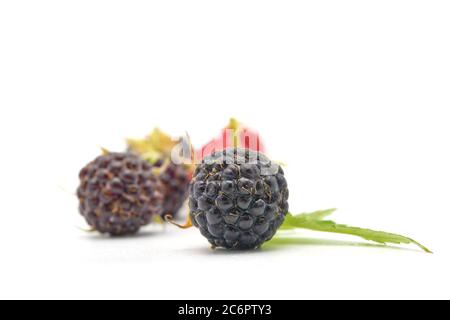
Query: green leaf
x=290 y=223
x=315 y=221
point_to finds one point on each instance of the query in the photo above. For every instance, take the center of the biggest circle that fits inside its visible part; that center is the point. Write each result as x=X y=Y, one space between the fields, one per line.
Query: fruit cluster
x=238 y=197
x=121 y=192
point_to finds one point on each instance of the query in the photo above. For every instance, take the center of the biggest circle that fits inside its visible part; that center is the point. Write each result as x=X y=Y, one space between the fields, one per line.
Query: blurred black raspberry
x=119 y=193
x=157 y=149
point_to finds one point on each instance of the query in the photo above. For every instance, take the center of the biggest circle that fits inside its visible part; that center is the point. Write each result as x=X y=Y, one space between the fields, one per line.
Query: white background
x=352 y=95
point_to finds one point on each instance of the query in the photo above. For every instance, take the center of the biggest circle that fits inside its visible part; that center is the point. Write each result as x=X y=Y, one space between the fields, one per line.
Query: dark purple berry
x=238 y=198
x=175 y=181
x=113 y=199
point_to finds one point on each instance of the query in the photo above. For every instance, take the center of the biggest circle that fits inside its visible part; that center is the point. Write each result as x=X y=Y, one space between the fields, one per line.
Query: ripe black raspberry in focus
x=119 y=193
x=238 y=198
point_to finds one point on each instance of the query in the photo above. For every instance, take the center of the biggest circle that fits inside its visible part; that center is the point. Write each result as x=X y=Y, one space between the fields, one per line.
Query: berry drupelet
x=119 y=193
x=238 y=198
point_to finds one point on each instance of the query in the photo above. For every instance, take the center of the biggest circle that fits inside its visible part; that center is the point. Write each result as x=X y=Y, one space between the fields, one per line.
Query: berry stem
x=188 y=224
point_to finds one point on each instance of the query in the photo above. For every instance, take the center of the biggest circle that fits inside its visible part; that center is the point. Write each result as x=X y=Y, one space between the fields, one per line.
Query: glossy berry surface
x=119 y=193
x=238 y=198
